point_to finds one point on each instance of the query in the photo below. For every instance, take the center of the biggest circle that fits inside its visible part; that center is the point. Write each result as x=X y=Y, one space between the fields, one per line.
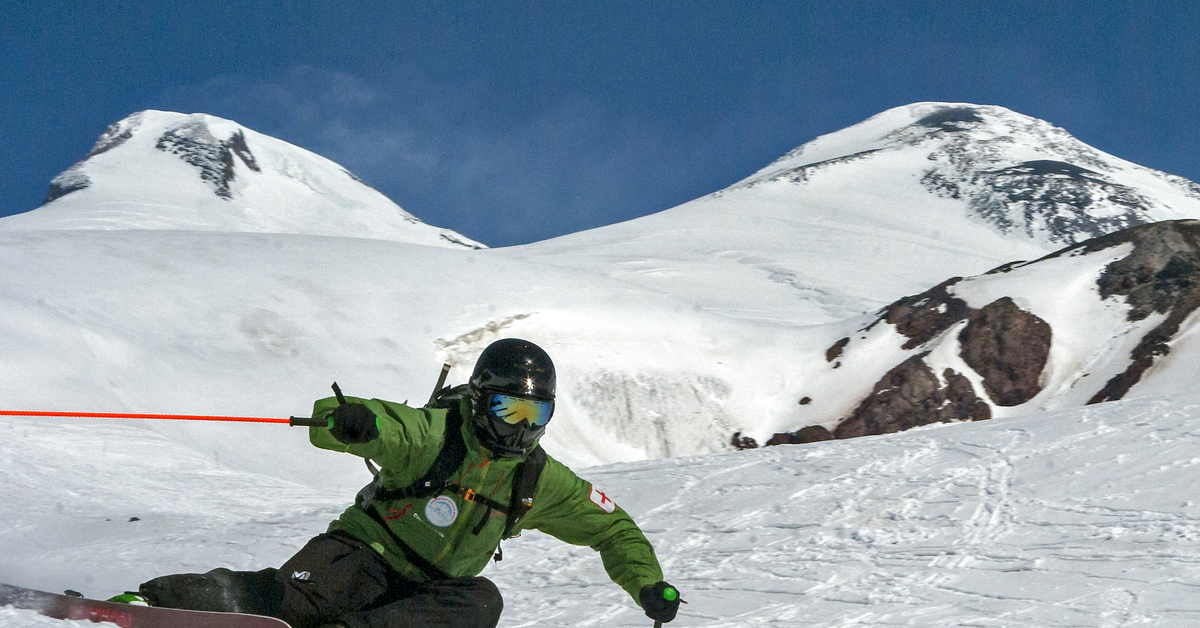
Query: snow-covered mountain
x=162 y=170
x=852 y=220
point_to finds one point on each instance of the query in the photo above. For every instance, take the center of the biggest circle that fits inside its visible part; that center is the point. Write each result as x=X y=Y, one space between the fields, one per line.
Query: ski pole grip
x=669 y=594
x=303 y=421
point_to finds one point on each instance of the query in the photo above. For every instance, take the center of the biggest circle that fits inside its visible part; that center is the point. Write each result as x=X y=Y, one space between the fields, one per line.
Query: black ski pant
x=335 y=578
x=338 y=578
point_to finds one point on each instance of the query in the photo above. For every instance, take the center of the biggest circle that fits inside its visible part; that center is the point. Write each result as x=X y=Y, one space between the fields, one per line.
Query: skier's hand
x=660 y=601
x=354 y=423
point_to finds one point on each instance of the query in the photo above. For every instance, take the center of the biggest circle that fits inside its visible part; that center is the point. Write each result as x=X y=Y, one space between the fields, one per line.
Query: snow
x=1084 y=517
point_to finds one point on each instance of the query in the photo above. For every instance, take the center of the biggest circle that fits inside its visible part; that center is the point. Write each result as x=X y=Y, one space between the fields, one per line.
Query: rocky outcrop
x=742 y=443
x=835 y=351
x=1160 y=276
x=1005 y=345
x=1066 y=200
x=191 y=140
x=1008 y=347
x=911 y=395
x=923 y=317
x=810 y=434
x=70 y=180
x=115 y=135
x=194 y=143
x=74 y=178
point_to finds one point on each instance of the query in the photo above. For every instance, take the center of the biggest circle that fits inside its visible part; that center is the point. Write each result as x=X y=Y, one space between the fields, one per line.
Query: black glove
x=660 y=601
x=354 y=423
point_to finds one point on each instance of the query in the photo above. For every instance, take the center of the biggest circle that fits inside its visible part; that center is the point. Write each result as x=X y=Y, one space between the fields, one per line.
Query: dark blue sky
x=513 y=122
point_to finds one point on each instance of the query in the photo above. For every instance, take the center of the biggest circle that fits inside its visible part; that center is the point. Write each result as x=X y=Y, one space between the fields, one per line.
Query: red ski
x=127 y=615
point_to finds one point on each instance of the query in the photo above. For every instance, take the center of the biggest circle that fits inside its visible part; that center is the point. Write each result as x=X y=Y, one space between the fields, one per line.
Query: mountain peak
x=1019 y=174
x=198 y=172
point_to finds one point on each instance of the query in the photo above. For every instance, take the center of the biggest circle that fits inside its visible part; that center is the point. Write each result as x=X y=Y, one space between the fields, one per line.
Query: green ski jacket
x=445 y=528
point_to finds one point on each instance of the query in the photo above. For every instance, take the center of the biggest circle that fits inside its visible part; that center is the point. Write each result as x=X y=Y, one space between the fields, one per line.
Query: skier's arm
x=572 y=510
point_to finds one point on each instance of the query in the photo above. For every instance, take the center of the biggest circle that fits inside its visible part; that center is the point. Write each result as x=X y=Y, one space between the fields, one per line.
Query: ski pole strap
x=430 y=570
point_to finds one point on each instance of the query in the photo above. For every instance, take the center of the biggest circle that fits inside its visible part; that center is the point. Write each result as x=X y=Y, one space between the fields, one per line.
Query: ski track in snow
x=1071 y=518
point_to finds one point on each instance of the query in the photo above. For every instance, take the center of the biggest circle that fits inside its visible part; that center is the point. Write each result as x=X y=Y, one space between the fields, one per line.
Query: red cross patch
x=602 y=500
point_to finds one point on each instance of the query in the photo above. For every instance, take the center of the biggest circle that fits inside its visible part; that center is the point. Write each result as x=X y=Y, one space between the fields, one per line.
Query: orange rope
x=121 y=415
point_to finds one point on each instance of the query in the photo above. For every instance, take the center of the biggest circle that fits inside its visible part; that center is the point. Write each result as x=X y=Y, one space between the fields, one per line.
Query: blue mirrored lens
x=514 y=410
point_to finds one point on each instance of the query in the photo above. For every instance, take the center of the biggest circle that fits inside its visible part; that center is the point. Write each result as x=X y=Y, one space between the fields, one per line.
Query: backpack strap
x=450 y=458
x=525 y=482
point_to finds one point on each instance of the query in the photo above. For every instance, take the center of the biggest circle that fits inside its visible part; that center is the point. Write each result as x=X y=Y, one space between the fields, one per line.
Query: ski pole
x=292 y=421
x=128 y=415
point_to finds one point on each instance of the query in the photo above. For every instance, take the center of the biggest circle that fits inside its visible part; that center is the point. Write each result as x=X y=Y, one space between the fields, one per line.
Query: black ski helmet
x=517 y=368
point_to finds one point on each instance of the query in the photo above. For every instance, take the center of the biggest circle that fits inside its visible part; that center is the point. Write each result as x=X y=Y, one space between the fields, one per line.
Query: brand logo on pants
x=302 y=576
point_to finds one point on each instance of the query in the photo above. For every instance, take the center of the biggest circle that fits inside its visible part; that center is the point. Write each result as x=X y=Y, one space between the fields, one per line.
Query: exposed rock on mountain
x=1003 y=344
x=1069 y=199
x=810 y=434
x=1104 y=311
x=911 y=395
x=195 y=144
x=1008 y=347
x=923 y=317
x=1161 y=276
x=73 y=179
x=70 y=180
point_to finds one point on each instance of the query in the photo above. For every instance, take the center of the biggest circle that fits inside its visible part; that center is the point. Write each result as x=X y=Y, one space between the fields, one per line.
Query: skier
x=452 y=482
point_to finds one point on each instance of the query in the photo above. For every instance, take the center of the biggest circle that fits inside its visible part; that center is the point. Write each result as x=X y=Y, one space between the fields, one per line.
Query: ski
x=127 y=615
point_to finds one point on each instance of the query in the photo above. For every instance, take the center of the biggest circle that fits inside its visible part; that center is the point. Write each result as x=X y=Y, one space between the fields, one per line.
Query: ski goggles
x=514 y=410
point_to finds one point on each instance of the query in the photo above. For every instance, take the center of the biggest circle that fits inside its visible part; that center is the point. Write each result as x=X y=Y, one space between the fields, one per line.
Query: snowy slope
x=163 y=170
x=203 y=321
x=1085 y=517
x=891 y=206
x=262 y=324
x=1094 y=322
